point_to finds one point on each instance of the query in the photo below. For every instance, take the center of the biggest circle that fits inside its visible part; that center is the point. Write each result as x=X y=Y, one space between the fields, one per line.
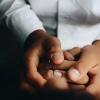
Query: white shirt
x=76 y=22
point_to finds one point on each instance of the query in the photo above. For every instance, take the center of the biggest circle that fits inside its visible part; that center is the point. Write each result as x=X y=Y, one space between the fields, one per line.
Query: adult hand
x=37 y=45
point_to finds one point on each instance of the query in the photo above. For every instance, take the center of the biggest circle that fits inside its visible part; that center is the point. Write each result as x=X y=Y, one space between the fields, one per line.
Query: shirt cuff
x=97 y=38
x=22 y=22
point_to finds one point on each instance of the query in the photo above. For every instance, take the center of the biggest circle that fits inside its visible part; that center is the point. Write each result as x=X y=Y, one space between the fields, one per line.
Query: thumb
x=82 y=67
x=54 y=49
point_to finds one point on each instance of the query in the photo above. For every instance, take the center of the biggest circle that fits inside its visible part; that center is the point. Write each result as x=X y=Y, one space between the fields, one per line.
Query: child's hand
x=56 y=79
x=69 y=63
x=89 y=63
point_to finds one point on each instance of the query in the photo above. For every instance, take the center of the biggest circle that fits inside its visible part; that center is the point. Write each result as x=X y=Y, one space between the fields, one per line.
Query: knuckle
x=76 y=48
x=67 y=53
x=55 y=50
x=54 y=40
x=86 y=48
x=54 y=45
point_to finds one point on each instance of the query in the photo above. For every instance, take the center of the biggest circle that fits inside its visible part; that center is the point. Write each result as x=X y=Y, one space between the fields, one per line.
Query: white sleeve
x=19 y=18
x=97 y=37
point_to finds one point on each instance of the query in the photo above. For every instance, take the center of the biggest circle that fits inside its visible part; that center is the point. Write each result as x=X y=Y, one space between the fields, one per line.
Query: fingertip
x=57 y=73
x=73 y=74
x=49 y=74
x=57 y=57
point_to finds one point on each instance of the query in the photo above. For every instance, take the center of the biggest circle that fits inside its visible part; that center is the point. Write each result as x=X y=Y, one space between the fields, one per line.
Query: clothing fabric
x=75 y=22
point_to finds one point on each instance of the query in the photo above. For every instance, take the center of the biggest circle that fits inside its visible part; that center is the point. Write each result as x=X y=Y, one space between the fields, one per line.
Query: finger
x=93 y=71
x=49 y=74
x=60 y=73
x=74 y=51
x=94 y=87
x=94 y=81
x=54 y=49
x=82 y=67
x=57 y=83
x=46 y=73
x=76 y=87
x=68 y=56
x=83 y=81
x=33 y=75
x=65 y=65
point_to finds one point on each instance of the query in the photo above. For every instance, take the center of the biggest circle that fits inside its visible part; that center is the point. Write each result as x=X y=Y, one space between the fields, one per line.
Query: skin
x=36 y=45
x=55 y=82
x=89 y=58
x=89 y=64
x=61 y=83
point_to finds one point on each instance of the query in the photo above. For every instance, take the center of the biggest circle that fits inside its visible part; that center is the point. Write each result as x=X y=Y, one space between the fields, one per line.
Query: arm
x=23 y=22
x=19 y=18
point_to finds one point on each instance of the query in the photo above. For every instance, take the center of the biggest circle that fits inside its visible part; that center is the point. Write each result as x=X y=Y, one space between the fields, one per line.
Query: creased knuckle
x=86 y=48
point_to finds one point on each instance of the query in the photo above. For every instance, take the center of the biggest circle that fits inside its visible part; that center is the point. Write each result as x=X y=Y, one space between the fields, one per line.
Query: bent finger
x=74 y=51
x=65 y=65
x=33 y=76
x=53 y=47
x=85 y=63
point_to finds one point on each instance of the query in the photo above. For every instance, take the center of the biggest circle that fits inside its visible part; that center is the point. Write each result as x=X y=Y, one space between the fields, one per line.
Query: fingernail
x=57 y=56
x=74 y=74
x=57 y=73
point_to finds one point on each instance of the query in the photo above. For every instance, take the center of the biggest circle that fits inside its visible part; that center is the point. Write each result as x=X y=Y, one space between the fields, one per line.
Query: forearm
x=35 y=37
x=20 y=19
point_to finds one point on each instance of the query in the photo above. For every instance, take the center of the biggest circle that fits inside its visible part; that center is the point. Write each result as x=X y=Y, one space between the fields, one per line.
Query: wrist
x=34 y=37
